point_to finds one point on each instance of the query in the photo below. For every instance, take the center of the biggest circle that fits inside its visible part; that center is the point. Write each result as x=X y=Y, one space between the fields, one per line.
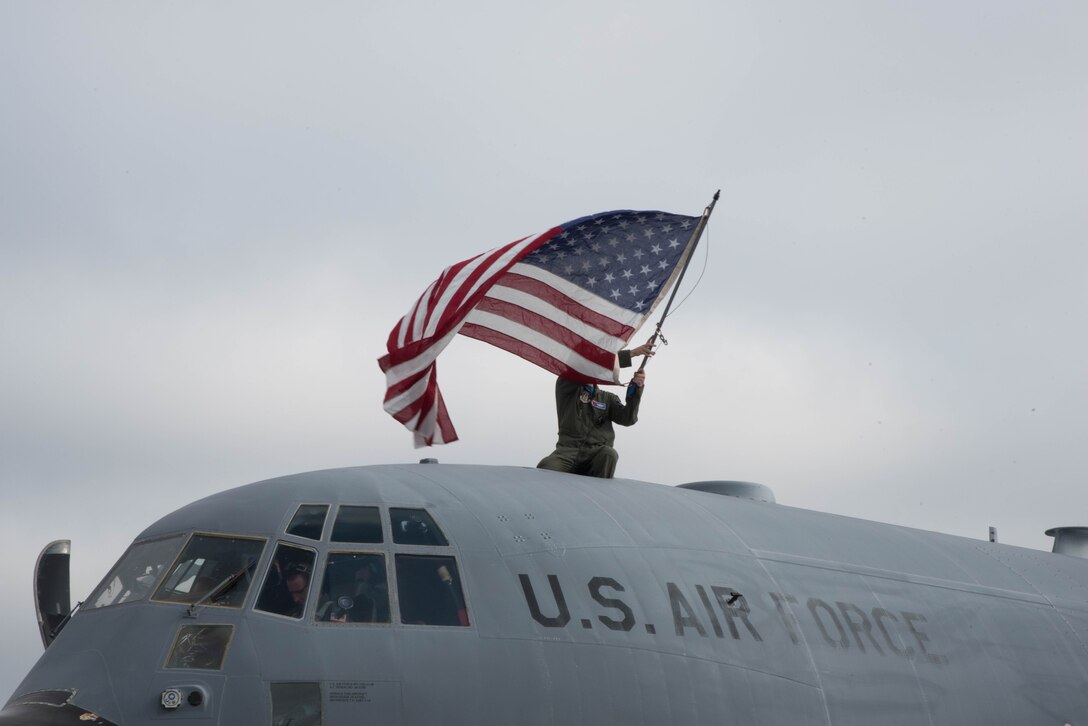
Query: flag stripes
x=565 y=300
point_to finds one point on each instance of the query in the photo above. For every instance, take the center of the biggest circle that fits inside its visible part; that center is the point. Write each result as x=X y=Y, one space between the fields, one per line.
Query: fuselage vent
x=738 y=489
x=1070 y=541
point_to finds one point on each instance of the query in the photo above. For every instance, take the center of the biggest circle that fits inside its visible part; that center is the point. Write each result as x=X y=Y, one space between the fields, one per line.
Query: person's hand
x=644 y=349
x=639 y=379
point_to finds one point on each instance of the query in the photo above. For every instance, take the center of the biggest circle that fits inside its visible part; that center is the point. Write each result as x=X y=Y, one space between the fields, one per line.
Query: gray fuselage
x=501 y=595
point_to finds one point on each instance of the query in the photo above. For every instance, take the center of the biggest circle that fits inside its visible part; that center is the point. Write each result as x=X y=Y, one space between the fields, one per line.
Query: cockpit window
x=287 y=583
x=214 y=565
x=357 y=524
x=430 y=592
x=354 y=590
x=136 y=573
x=415 y=527
x=200 y=646
x=308 y=521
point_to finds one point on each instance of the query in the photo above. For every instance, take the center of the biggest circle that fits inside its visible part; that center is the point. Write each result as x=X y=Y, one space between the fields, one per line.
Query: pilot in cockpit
x=296 y=579
x=358 y=595
x=286 y=587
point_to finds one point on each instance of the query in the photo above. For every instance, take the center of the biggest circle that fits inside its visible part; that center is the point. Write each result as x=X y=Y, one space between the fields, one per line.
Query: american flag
x=567 y=299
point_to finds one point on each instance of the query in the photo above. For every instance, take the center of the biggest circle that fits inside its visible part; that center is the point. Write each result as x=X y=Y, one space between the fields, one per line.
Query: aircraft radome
x=435 y=594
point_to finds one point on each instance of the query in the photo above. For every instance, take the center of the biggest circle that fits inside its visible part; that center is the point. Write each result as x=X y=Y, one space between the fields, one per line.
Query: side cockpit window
x=287 y=584
x=416 y=527
x=354 y=590
x=429 y=589
x=136 y=573
x=309 y=521
x=213 y=568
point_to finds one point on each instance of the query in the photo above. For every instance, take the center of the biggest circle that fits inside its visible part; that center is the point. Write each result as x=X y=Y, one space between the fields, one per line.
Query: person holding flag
x=586 y=414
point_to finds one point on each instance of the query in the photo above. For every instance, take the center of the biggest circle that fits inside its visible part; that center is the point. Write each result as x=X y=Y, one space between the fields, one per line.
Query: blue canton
x=624 y=257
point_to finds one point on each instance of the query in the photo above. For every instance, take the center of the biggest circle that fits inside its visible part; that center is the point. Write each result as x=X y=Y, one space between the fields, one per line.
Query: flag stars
x=633 y=289
x=639 y=305
x=648 y=233
x=651 y=285
x=604 y=261
x=560 y=254
x=596 y=247
x=591 y=281
x=656 y=249
x=568 y=270
x=615 y=294
x=621 y=258
x=638 y=254
x=613 y=242
x=630 y=238
x=674 y=243
x=627 y=274
x=586 y=265
x=663 y=264
x=645 y=270
x=609 y=277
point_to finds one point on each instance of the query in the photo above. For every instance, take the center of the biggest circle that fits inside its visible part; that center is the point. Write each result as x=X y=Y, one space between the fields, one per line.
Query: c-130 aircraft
x=443 y=594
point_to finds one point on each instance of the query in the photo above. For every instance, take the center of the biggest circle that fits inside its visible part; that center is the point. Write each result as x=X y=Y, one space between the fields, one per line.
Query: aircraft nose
x=49 y=708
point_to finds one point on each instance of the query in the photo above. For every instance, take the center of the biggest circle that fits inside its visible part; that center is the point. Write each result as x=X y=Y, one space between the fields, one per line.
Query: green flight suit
x=585 y=426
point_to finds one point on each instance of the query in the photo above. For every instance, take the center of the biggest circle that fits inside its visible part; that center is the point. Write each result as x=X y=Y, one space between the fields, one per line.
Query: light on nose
x=171 y=698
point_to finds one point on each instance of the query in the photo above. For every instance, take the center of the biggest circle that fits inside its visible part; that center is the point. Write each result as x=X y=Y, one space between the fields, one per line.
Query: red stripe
x=467 y=304
x=445 y=425
x=522 y=349
x=549 y=328
x=457 y=300
x=419 y=406
x=399 y=387
x=567 y=304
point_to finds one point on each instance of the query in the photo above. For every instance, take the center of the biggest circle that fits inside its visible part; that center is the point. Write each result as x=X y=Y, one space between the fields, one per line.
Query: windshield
x=207 y=563
x=136 y=573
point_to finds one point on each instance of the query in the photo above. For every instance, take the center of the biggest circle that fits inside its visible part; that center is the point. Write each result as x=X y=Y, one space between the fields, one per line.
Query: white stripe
x=402 y=401
x=450 y=289
x=584 y=297
x=542 y=342
x=455 y=285
x=543 y=307
x=418 y=311
x=412 y=366
x=426 y=427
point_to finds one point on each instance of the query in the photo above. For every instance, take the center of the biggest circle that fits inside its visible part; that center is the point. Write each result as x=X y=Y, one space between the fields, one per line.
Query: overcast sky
x=211 y=215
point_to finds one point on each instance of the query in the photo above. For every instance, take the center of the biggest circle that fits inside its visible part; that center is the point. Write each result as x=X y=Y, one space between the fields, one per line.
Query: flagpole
x=695 y=235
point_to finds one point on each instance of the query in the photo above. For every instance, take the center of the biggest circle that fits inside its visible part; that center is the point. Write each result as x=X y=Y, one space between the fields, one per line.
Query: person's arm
x=626 y=356
x=627 y=415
